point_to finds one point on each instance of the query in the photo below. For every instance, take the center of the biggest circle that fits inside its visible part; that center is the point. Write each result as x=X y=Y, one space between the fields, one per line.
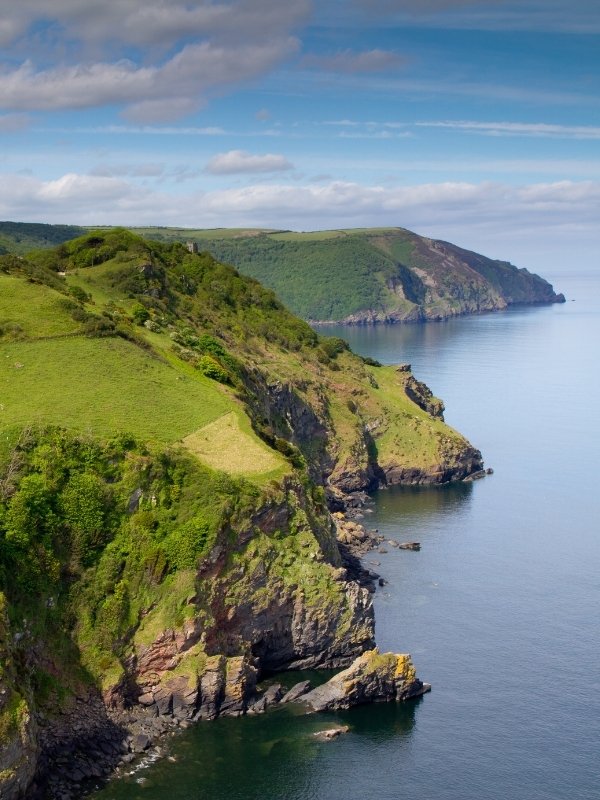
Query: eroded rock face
x=421 y=394
x=372 y=677
x=18 y=742
x=18 y=747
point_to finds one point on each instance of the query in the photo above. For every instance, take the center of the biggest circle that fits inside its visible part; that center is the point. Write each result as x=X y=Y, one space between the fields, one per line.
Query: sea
x=500 y=608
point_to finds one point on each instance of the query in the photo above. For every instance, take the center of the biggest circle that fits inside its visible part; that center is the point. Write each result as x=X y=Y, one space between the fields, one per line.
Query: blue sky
x=477 y=122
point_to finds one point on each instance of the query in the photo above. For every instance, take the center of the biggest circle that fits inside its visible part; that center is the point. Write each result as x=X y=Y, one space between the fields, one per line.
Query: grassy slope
x=54 y=375
x=101 y=387
x=162 y=397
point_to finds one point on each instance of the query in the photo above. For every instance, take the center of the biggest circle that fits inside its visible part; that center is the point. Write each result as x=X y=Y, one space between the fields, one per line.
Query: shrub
x=211 y=368
x=140 y=314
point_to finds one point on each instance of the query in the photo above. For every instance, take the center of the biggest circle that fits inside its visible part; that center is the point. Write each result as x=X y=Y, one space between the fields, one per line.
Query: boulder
x=372 y=677
x=296 y=692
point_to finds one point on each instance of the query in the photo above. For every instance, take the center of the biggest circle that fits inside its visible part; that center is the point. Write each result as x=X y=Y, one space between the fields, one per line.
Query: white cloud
x=240 y=162
x=530 y=225
x=349 y=61
x=319 y=204
x=575 y=16
x=182 y=53
x=540 y=129
x=154 y=22
x=154 y=92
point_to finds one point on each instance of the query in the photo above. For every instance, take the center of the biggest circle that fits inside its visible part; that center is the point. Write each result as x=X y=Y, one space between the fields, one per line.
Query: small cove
x=499 y=608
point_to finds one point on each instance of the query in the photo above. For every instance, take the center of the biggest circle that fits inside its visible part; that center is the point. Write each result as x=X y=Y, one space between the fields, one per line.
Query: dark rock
x=273 y=694
x=410 y=546
x=140 y=743
x=475 y=476
x=297 y=690
x=134 y=501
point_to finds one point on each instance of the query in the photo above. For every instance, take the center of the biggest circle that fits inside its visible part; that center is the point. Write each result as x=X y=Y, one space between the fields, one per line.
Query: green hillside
x=171 y=441
x=21 y=237
x=377 y=275
x=356 y=276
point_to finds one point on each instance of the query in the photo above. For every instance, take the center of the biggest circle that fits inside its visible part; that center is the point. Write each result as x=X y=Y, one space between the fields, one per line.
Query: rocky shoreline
x=419 y=314
x=82 y=748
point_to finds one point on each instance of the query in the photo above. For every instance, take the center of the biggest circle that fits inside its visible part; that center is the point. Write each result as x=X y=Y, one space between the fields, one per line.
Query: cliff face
x=162 y=645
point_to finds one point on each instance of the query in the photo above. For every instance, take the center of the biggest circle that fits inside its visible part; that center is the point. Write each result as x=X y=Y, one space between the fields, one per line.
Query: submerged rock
x=331 y=733
x=372 y=677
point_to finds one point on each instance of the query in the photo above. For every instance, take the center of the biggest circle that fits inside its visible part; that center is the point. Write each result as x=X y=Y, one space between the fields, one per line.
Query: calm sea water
x=500 y=608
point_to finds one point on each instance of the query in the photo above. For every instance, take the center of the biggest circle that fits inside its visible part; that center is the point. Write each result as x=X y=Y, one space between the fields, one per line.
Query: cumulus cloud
x=154 y=22
x=182 y=52
x=349 y=61
x=240 y=162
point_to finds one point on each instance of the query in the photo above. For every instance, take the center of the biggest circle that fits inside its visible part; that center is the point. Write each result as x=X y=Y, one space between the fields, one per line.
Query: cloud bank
x=160 y=60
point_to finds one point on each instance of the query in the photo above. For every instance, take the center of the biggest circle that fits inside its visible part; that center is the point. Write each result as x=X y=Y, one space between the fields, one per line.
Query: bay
x=499 y=609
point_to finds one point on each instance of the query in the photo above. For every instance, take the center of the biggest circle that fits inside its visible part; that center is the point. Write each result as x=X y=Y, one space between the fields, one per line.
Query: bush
x=140 y=314
x=79 y=294
x=212 y=369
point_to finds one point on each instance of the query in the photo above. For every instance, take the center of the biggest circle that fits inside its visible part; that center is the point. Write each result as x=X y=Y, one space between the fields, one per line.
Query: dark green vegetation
x=21 y=237
x=169 y=437
x=387 y=275
x=360 y=275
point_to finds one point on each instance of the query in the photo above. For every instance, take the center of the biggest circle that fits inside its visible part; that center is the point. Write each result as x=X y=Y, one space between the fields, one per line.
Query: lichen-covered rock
x=372 y=677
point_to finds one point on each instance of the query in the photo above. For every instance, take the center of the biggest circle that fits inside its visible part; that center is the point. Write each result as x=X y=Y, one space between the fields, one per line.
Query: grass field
x=102 y=386
x=229 y=444
x=38 y=310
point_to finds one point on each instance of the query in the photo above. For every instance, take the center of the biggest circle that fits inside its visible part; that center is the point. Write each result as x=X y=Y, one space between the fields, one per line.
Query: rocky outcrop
x=422 y=395
x=372 y=677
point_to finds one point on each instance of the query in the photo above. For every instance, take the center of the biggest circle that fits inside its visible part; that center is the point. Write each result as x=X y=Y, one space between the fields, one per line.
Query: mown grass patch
x=229 y=444
x=36 y=310
x=101 y=387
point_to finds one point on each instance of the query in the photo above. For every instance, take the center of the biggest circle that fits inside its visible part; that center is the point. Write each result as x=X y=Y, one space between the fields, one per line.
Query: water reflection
x=396 y=503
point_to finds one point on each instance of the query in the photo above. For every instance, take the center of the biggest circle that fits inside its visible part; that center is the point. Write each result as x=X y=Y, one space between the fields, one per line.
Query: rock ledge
x=372 y=677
